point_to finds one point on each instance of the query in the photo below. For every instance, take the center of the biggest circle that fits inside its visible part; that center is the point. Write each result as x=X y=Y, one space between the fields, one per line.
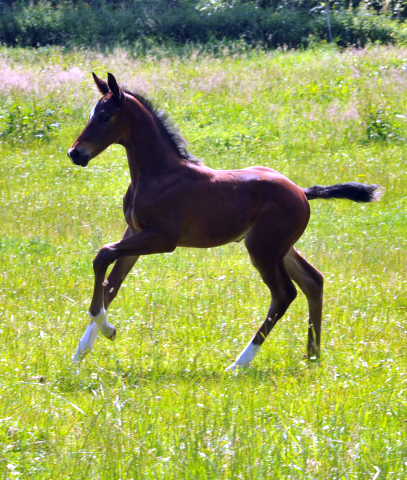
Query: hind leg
x=268 y=257
x=311 y=282
x=283 y=292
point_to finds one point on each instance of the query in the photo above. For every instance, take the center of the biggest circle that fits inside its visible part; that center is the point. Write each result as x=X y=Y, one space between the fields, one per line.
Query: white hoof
x=236 y=366
x=245 y=359
x=109 y=332
x=79 y=355
x=113 y=335
x=107 y=329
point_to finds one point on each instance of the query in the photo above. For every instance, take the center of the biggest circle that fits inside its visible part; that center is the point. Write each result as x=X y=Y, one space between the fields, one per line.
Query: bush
x=20 y=122
x=111 y=23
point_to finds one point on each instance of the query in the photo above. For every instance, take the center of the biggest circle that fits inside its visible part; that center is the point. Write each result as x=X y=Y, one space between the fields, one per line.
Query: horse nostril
x=74 y=154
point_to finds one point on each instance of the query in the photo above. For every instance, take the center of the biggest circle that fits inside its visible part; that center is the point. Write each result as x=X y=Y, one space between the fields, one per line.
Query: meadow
x=157 y=403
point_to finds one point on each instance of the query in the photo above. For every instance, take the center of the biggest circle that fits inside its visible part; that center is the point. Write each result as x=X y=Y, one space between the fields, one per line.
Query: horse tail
x=358 y=192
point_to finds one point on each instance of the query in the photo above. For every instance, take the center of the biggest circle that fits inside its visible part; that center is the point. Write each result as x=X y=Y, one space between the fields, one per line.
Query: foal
x=174 y=201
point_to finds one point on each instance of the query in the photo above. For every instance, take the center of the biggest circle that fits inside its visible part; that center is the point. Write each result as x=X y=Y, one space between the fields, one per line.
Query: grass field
x=157 y=404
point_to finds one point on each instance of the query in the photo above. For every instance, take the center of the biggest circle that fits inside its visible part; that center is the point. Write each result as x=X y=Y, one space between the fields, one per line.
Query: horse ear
x=114 y=88
x=101 y=84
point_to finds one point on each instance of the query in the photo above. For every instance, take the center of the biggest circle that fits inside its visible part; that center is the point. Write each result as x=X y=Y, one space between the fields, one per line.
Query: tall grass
x=157 y=403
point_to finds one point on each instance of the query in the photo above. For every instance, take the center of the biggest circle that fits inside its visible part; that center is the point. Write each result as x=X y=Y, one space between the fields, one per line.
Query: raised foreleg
x=146 y=242
x=120 y=270
x=116 y=277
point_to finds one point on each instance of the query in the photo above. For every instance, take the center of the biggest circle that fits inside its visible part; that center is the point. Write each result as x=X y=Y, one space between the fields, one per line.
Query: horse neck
x=149 y=153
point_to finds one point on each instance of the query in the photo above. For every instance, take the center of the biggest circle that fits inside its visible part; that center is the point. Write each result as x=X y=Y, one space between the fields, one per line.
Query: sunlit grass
x=157 y=403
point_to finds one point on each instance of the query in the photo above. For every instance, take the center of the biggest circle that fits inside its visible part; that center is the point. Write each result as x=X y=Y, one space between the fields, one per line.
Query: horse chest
x=132 y=220
x=140 y=211
x=128 y=210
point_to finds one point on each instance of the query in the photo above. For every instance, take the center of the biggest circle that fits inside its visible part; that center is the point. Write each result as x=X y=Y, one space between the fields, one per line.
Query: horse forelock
x=166 y=126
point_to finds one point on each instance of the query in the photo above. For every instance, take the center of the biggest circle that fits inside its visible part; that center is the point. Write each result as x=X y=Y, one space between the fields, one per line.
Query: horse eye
x=104 y=118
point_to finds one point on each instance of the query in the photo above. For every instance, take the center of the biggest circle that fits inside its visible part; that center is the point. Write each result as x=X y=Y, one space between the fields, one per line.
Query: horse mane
x=166 y=126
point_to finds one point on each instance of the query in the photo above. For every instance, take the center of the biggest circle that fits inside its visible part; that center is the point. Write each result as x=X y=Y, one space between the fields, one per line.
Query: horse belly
x=204 y=240
x=216 y=224
x=224 y=211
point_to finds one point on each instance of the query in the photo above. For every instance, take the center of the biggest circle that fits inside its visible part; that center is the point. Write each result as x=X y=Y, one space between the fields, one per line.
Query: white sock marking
x=246 y=357
x=105 y=327
x=86 y=343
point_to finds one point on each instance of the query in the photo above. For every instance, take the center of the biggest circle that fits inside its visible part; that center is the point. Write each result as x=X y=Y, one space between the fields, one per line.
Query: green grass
x=157 y=402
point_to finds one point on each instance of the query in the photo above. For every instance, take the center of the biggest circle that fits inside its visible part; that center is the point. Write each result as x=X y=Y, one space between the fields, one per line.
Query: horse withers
x=173 y=201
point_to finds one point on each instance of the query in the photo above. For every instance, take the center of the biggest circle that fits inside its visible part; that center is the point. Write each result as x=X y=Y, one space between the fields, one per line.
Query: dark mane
x=166 y=126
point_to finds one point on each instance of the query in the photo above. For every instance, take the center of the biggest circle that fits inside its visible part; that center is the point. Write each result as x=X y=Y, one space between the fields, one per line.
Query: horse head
x=106 y=123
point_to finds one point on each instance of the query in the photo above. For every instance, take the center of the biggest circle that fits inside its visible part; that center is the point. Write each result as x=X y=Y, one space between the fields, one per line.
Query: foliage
x=109 y=24
x=382 y=123
x=17 y=122
x=157 y=404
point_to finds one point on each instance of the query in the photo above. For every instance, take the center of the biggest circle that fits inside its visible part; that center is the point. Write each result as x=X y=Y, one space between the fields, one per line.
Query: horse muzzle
x=78 y=158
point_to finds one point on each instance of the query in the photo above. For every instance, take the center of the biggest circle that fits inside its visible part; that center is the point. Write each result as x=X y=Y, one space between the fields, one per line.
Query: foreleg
x=146 y=242
x=119 y=272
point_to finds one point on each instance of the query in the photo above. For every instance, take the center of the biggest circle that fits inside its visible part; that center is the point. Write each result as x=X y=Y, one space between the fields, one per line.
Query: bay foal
x=174 y=201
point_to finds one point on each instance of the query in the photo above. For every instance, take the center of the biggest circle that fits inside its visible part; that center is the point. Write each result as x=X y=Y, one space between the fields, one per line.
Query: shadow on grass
x=84 y=379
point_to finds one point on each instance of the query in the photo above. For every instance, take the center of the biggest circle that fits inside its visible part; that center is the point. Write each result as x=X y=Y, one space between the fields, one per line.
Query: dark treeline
x=394 y=7
x=270 y=23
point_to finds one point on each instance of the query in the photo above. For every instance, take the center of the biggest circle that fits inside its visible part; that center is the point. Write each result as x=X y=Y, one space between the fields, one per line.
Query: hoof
x=113 y=335
x=235 y=367
x=79 y=356
x=109 y=331
x=313 y=352
x=76 y=360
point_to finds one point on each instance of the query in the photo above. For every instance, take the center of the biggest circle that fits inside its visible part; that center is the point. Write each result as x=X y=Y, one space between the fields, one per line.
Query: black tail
x=358 y=192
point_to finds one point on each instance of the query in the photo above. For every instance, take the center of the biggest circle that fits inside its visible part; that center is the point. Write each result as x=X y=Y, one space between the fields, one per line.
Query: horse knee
x=285 y=297
x=103 y=259
x=290 y=294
